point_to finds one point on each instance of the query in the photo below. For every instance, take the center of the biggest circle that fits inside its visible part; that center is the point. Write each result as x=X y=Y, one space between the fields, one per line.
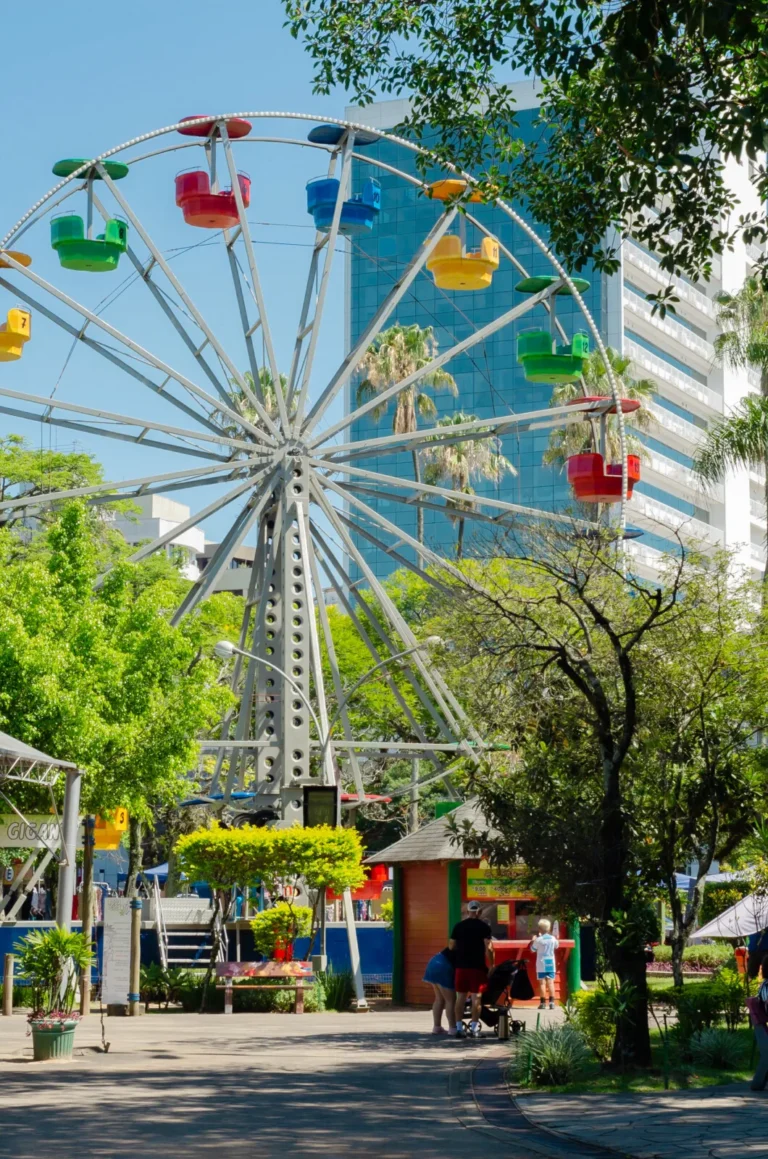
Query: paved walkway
x=371 y=1085
x=719 y=1123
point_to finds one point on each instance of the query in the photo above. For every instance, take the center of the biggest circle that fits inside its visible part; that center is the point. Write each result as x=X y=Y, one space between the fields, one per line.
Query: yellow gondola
x=453 y=268
x=14 y=332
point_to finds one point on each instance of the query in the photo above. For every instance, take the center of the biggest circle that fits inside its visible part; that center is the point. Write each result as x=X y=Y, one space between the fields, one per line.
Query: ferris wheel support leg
x=70 y=820
x=354 y=951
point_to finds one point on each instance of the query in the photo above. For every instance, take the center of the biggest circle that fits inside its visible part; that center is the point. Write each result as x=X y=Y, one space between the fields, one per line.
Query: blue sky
x=85 y=78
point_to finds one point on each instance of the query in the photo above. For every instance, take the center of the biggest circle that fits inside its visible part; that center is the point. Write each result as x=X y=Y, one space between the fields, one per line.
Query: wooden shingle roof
x=433 y=841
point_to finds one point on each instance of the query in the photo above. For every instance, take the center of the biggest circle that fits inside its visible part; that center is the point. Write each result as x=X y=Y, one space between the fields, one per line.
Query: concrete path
x=720 y=1123
x=181 y=1085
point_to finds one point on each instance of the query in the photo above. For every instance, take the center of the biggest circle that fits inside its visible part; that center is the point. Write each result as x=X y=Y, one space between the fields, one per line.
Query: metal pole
x=8 y=985
x=354 y=951
x=69 y=823
x=413 y=808
x=86 y=914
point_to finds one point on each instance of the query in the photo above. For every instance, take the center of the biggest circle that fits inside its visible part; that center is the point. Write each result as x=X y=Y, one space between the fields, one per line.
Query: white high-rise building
x=157 y=515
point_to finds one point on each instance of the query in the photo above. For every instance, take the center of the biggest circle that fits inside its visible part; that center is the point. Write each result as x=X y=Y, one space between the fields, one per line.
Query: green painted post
x=454 y=894
x=573 y=967
x=398 y=974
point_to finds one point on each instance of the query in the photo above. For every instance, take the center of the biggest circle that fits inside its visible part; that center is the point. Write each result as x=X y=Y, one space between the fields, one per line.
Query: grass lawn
x=683 y=1075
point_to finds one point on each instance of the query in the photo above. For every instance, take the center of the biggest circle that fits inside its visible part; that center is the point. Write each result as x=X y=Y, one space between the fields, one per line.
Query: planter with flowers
x=51 y=961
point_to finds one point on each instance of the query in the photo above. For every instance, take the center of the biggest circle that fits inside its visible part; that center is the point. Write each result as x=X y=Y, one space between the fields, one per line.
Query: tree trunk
x=633 y=1039
x=419 y=508
x=134 y=857
x=460 y=540
x=87 y=912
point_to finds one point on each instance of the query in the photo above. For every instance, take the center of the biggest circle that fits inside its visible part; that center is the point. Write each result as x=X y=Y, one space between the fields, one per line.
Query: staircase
x=183 y=926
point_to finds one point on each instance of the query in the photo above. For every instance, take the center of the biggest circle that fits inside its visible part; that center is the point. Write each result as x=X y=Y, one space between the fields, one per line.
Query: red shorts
x=470 y=981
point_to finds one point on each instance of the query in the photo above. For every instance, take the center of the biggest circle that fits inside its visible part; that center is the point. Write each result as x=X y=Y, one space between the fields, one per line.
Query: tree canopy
x=643 y=104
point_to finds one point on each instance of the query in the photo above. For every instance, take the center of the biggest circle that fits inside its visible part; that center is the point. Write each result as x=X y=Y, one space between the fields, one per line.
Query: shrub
x=716 y=1048
x=388 y=912
x=22 y=995
x=732 y=992
x=338 y=989
x=595 y=1020
x=280 y=924
x=704 y=956
x=720 y=896
x=704 y=1004
x=551 y=1057
x=162 y=986
x=265 y=1000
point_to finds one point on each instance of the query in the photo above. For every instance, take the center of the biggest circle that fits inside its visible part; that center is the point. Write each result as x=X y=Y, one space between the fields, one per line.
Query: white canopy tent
x=748 y=916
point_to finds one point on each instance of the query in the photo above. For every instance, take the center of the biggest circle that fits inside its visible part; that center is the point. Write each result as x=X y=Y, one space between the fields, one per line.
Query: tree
x=36 y=471
x=641 y=106
x=604 y=687
x=577 y=437
x=459 y=464
x=394 y=355
x=741 y=438
x=267 y=392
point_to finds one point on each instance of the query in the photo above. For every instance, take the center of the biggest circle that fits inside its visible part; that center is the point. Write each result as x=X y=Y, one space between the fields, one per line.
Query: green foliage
x=162 y=985
x=51 y=961
x=338 y=989
x=715 y=1048
x=709 y=956
x=551 y=1056
x=282 y=924
x=22 y=995
x=590 y=1014
x=264 y=1000
x=720 y=896
x=323 y=856
x=388 y=913
x=706 y=1004
x=641 y=105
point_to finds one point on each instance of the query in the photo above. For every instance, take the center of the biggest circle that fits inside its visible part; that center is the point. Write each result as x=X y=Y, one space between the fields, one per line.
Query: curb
x=588 y=1149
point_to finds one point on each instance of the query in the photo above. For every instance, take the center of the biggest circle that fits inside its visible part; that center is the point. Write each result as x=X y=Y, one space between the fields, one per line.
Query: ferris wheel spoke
x=250 y=514
x=446 y=493
x=158 y=363
x=109 y=486
x=447 y=704
x=193 y=520
x=210 y=337
x=145 y=274
x=458 y=348
x=143 y=425
x=499 y=426
x=249 y=328
x=330 y=560
x=390 y=549
x=321 y=240
x=330 y=249
x=395 y=295
x=79 y=335
x=255 y=286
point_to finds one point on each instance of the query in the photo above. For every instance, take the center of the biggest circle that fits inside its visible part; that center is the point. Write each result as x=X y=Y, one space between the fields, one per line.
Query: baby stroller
x=506 y=983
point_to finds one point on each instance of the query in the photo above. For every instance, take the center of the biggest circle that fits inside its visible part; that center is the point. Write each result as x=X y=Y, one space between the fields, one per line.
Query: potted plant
x=51 y=961
x=276 y=929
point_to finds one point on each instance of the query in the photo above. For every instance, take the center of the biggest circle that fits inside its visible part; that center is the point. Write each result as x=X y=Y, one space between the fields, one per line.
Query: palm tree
x=268 y=395
x=458 y=464
x=576 y=438
x=740 y=439
x=394 y=355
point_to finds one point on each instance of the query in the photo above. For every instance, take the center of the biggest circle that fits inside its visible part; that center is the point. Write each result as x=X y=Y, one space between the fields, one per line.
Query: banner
x=116 y=967
x=26 y=834
x=495 y=884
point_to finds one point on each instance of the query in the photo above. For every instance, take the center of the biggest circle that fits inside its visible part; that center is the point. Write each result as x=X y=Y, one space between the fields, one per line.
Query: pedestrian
x=439 y=974
x=544 y=946
x=470 y=940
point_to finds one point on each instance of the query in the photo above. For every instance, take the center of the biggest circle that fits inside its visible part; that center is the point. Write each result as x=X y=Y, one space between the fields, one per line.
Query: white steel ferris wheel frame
x=283 y=469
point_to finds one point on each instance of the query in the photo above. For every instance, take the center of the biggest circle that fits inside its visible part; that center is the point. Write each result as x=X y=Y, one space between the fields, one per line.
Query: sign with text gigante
x=116 y=969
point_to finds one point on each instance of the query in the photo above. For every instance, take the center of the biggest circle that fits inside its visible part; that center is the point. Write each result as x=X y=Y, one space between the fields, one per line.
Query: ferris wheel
x=186 y=378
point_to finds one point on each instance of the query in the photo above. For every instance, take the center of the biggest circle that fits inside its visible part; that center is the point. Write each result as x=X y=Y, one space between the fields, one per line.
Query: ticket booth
x=433 y=881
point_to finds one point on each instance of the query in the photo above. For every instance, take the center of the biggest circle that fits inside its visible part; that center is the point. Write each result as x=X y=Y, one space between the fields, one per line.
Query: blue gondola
x=358 y=213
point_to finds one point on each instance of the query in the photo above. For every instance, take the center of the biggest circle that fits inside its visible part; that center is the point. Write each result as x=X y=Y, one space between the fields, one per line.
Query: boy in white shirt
x=544 y=945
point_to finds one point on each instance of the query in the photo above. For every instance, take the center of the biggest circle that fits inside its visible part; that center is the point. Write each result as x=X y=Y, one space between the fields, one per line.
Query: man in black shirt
x=470 y=940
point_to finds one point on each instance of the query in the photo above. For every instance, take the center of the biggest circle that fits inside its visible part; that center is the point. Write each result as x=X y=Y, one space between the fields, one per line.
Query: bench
x=294 y=976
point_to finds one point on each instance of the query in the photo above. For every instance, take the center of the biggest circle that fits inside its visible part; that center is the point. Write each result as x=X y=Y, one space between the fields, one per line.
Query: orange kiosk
x=434 y=879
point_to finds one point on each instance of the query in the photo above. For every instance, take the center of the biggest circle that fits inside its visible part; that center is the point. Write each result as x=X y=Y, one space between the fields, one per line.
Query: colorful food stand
x=434 y=880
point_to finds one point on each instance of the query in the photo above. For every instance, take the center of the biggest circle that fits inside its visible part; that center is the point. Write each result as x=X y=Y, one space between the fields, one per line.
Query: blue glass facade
x=490 y=383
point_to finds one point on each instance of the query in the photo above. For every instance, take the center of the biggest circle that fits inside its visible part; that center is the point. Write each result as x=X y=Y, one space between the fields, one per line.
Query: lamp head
x=224 y=649
x=433 y=641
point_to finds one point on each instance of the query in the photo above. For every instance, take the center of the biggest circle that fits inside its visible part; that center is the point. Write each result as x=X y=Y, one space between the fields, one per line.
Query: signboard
x=116 y=968
x=496 y=884
x=26 y=834
x=108 y=831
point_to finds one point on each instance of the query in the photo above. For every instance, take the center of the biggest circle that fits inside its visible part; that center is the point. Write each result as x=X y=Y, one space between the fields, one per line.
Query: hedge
x=705 y=956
